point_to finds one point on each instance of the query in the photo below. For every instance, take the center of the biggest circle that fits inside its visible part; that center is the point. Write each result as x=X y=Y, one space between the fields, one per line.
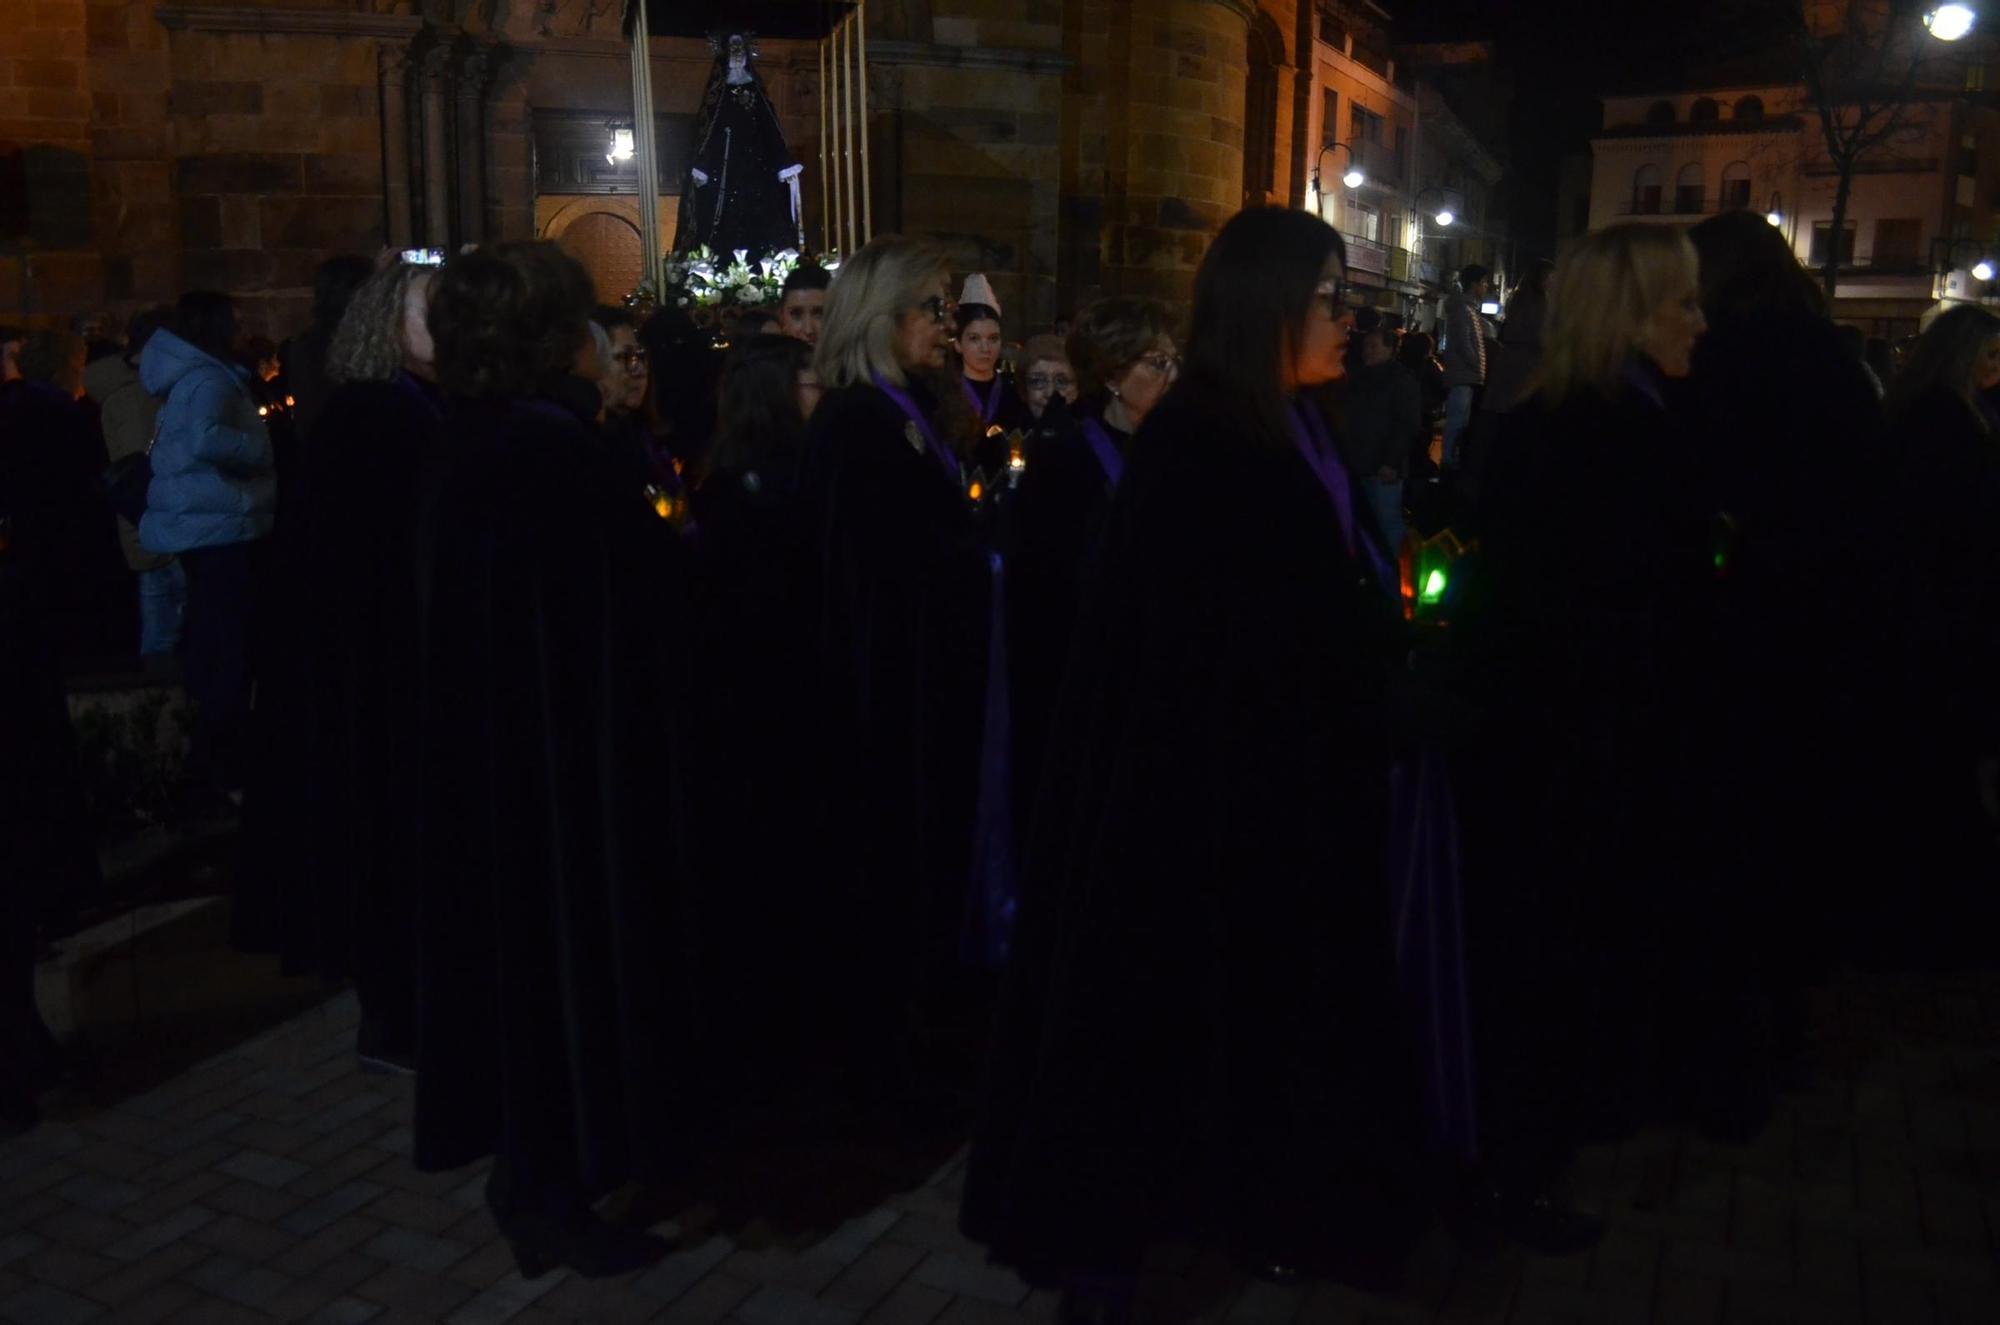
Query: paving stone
x=504 y=1301
x=75 y=1226
x=167 y=1229
x=345 y=1311
x=974 y=1279
x=1559 y=1305
x=199 y=1158
x=874 y=1276
x=44 y=1145
x=908 y=1304
x=358 y=1106
x=414 y=1248
x=341 y=1236
x=344 y=1200
x=160 y=1302
x=931 y=1234
x=846 y=1243
x=332 y=1280
x=325 y=1176
x=682 y=1269
x=261 y=1167
x=610 y=1302
x=113 y=1159
x=1259 y=1304
x=254 y=1202
x=774 y=1304
x=181 y=1138
x=428 y=1295
x=776 y=1266
x=428 y=1213
x=236 y=1280
x=147 y=1274
x=708 y=1301
x=245 y=1239
x=171 y=1198
x=43 y=1304
x=68 y=1268
x=14 y=1246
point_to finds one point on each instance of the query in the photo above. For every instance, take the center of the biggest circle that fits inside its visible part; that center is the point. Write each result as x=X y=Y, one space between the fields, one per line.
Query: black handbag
x=126 y=480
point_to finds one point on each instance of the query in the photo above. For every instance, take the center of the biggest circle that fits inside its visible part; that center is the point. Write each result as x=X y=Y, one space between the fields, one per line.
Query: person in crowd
x=631 y=373
x=905 y=653
x=304 y=356
x=1518 y=355
x=1046 y=377
x=1223 y=718
x=48 y=863
x=126 y=413
x=548 y=943
x=1574 y=794
x=802 y=306
x=1465 y=351
x=345 y=754
x=978 y=337
x=1125 y=361
x=751 y=322
x=1384 y=412
x=685 y=372
x=1797 y=660
x=1947 y=802
x=210 y=505
x=752 y=717
x=90 y=613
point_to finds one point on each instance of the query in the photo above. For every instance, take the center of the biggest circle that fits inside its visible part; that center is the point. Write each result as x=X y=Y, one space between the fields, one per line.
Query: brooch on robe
x=914 y=436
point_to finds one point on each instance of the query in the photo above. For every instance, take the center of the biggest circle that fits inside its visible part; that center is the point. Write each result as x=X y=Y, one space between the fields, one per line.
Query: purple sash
x=994 y=888
x=987 y=408
x=916 y=416
x=1309 y=432
x=1108 y=457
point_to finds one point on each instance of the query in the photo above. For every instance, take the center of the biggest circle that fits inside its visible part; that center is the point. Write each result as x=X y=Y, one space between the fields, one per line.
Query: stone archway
x=602 y=232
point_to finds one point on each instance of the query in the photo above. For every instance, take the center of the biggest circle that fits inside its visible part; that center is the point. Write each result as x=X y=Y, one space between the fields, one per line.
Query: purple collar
x=1109 y=458
x=1317 y=449
x=986 y=408
x=907 y=403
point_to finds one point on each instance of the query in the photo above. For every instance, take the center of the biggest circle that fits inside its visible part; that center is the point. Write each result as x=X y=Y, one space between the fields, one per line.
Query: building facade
x=1068 y=148
x=1921 y=209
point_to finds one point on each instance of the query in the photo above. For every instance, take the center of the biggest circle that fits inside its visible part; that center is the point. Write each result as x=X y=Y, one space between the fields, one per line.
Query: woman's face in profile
x=1321 y=354
x=1986 y=369
x=1670 y=333
x=922 y=334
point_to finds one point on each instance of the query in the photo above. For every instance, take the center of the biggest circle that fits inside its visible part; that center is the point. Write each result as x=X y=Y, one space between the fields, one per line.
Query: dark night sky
x=1565 y=55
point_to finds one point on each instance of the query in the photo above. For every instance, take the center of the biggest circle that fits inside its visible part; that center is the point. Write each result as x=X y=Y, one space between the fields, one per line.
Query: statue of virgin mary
x=742 y=187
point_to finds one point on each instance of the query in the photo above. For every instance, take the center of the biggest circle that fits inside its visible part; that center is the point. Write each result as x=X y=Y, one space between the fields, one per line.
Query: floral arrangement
x=701 y=279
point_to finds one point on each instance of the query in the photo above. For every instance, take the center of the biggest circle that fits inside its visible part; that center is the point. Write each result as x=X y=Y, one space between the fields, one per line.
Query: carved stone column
x=437 y=165
x=469 y=124
x=394 y=69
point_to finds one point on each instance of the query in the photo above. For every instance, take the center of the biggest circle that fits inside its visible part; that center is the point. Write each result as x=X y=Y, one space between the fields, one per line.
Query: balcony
x=1673 y=207
x=1386 y=261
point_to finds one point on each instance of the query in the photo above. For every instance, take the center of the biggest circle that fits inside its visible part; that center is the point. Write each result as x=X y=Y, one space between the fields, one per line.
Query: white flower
x=751 y=294
x=742 y=257
x=788 y=255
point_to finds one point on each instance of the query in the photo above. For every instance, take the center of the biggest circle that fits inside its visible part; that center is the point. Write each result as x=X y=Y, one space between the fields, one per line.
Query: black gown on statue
x=1200 y=1034
x=550 y=942
x=740 y=148
x=903 y=621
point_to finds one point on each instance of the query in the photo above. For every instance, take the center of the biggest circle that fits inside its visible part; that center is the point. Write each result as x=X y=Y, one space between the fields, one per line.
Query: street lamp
x=1982 y=270
x=1444 y=215
x=1355 y=176
x=1951 y=22
x=621 y=146
x=1776 y=215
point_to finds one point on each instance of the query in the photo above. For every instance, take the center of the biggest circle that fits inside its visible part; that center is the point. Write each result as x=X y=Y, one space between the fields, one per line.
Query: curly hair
x=508 y=322
x=1109 y=337
x=368 y=347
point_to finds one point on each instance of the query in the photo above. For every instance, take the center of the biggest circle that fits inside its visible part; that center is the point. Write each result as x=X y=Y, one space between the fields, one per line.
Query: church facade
x=1068 y=148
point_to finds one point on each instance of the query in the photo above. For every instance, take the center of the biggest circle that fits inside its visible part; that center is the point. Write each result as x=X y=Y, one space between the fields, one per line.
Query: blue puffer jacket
x=213 y=483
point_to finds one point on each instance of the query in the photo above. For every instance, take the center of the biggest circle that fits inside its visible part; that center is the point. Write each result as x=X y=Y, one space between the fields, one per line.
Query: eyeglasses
x=632 y=358
x=1335 y=295
x=1043 y=382
x=1166 y=365
x=937 y=306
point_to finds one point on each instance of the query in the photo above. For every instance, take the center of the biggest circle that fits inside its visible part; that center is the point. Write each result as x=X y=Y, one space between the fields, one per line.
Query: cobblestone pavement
x=270 y=1183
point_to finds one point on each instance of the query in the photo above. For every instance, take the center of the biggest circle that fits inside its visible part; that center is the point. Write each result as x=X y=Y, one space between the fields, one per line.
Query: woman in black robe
x=903 y=664
x=992 y=399
x=1585 y=891
x=1124 y=359
x=1200 y=1033
x=1945 y=799
x=751 y=711
x=546 y=1029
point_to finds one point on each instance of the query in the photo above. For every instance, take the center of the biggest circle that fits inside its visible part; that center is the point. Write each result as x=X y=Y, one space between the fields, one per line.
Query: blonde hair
x=1605 y=291
x=368 y=345
x=871 y=291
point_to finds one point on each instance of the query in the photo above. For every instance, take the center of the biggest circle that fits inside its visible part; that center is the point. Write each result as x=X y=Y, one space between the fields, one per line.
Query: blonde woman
x=905 y=626
x=345 y=752
x=1579 y=802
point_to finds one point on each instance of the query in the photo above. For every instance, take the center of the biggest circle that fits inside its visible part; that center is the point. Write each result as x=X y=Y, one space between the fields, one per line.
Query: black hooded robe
x=1199 y=1034
x=743 y=204
x=548 y=1028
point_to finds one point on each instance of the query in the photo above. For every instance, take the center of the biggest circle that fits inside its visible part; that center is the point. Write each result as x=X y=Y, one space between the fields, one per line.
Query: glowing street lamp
x=1445 y=216
x=1951 y=22
x=1982 y=270
x=621 y=146
x=1354 y=177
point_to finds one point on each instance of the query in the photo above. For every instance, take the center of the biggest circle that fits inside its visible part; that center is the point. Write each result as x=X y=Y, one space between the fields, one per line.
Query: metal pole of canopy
x=825 y=184
x=642 y=143
x=847 y=155
x=839 y=175
x=861 y=109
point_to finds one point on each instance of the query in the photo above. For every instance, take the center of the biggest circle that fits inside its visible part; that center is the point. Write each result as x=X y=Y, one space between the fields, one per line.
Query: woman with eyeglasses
x=1199 y=1035
x=1046 y=377
x=904 y=651
x=1578 y=793
x=1126 y=360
